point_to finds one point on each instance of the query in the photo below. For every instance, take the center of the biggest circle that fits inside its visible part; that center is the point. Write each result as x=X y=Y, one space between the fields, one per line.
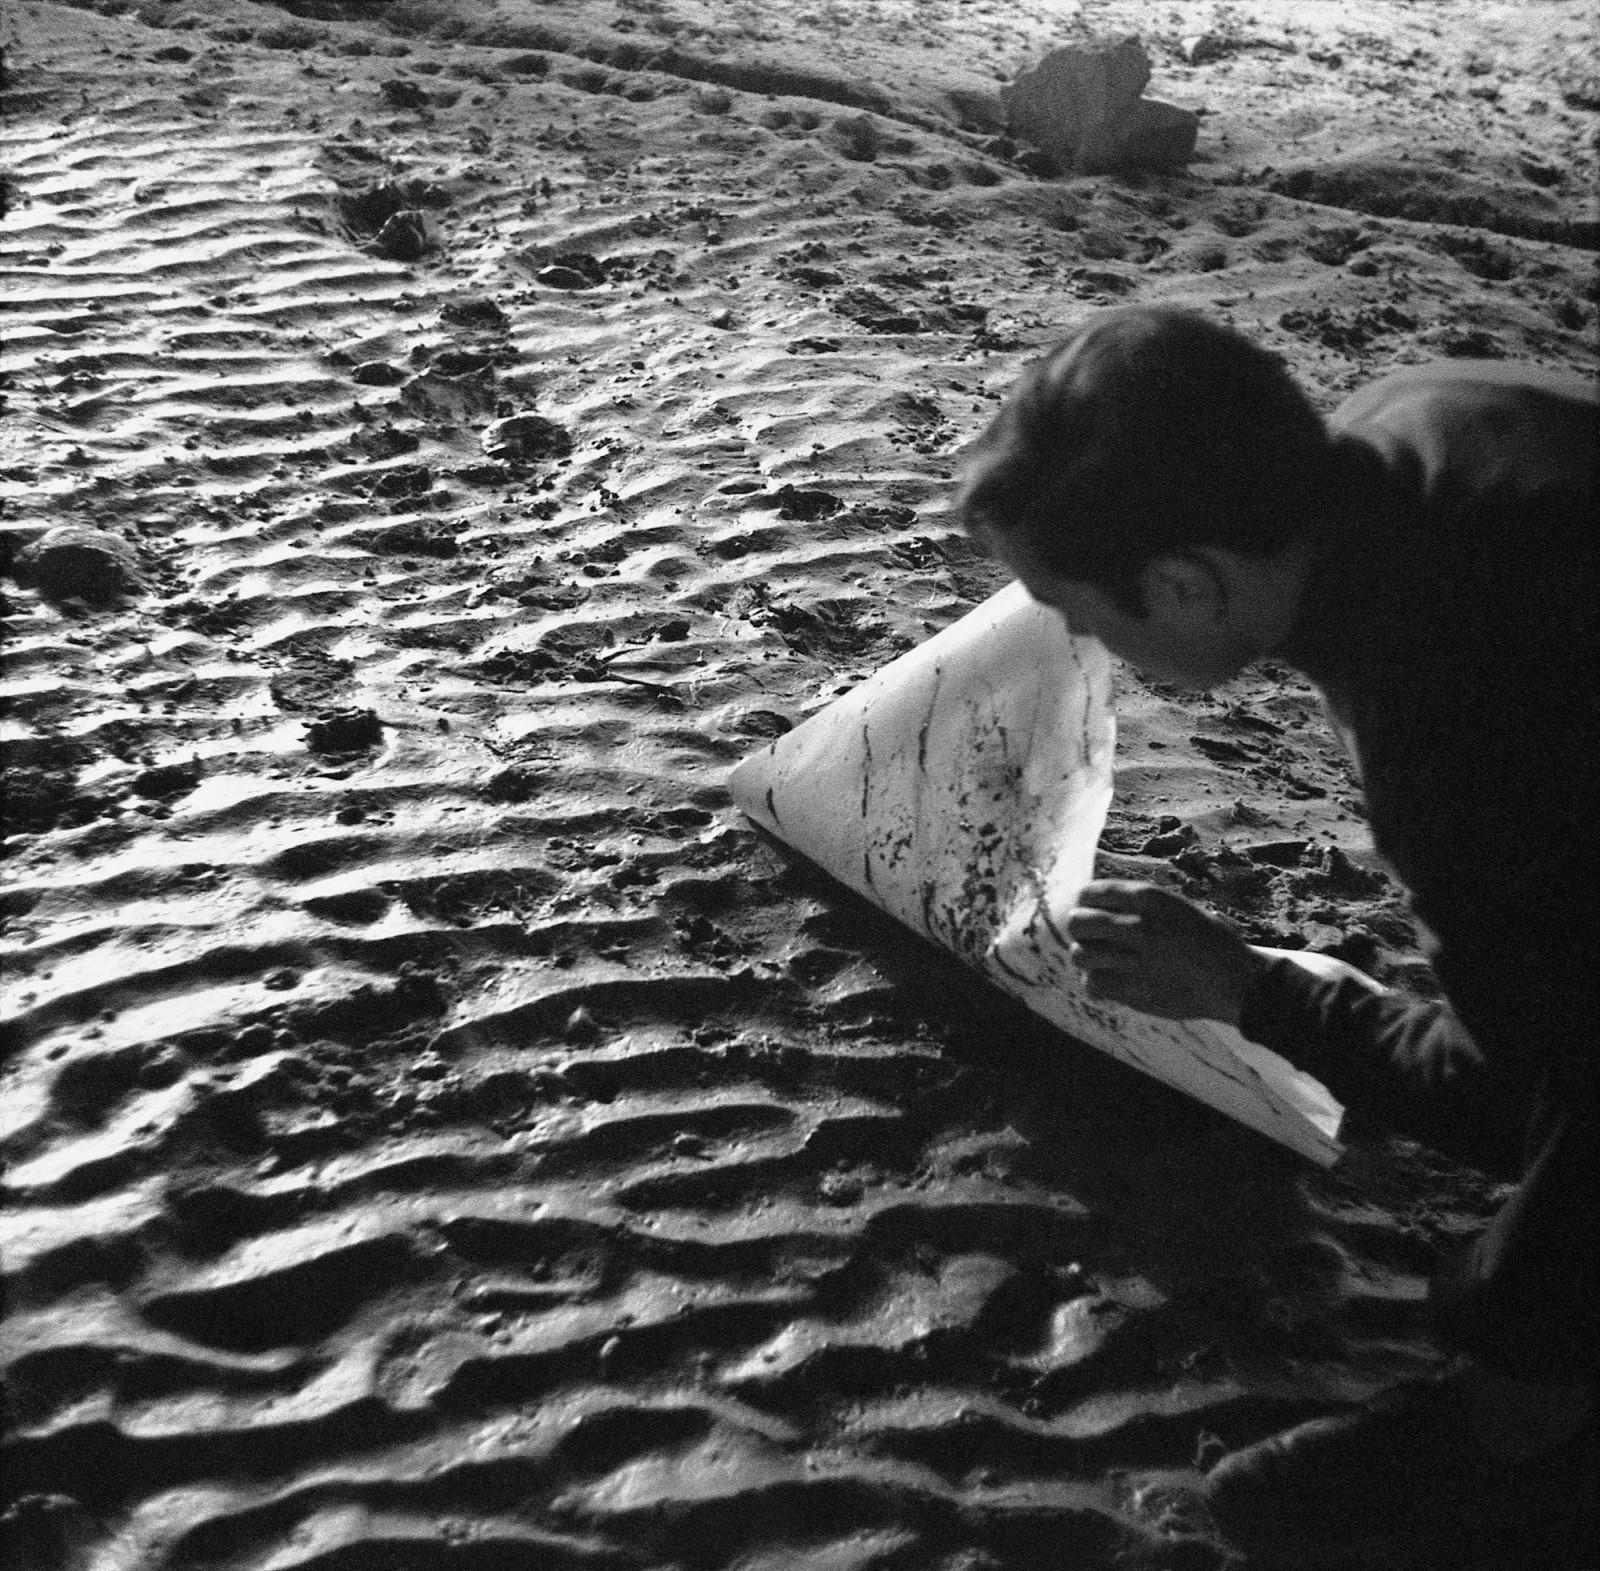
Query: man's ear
x=1185 y=589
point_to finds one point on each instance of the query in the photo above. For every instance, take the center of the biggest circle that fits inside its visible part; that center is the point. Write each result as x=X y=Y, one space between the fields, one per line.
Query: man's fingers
x=1132 y=897
x=1097 y=959
x=1096 y=988
x=1090 y=926
x=1112 y=988
x=1113 y=894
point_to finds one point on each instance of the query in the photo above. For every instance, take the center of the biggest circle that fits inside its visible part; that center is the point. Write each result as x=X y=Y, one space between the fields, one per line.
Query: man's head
x=1156 y=477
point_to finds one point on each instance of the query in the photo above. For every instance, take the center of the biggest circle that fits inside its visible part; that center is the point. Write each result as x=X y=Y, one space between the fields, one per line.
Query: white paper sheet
x=963 y=788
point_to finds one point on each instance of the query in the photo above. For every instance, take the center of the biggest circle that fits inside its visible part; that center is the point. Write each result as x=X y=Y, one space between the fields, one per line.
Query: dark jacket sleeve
x=1403 y=1062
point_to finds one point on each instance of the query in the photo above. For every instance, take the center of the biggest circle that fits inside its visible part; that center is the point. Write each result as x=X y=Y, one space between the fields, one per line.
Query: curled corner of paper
x=1307 y=1096
x=963 y=789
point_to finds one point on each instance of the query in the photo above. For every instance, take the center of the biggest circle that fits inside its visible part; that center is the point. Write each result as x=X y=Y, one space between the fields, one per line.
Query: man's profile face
x=1161 y=645
x=1149 y=643
x=1183 y=639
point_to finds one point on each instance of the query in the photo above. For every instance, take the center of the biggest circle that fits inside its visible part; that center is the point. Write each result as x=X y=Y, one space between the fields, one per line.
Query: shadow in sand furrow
x=501 y=916
x=952 y=1325
x=735 y=1065
x=792 y=558
x=836 y=1135
x=86 y=1085
x=115 y=269
x=172 y=157
x=361 y=1183
x=111 y=1257
x=505 y=1296
x=47 y=696
x=490 y=937
x=974 y=1434
x=194 y=698
x=45 y=653
x=250 y=430
x=613 y=545
x=105 y=1466
x=72 y=1172
x=286 y=1296
x=123 y=936
x=70 y=293
x=562 y=1325
x=222 y=240
x=613 y=1340
x=804 y=1177
x=415 y=1500
x=705 y=1508
x=607 y=1437
x=325 y=855
x=1382 y=1319
x=678 y=1134
x=1383 y=1245
x=270 y=383
x=346 y=1534
x=839 y=1370
x=594 y=714
x=689 y=995
x=217 y=227
x=198 y=349
x=608 y=251
x=101 y=145
x=570 y=1249
x=248 y=796
x=963 y=1320
x=1040 y=1225
x=203 y=1218
x=209 y=1215
x=371 y=1010
x=790 y=1244
x=710 y=1186
x=50 y=333
x=172 y=978
x=464 y=894
x=960 y=1428
x=198 y=362
x=327 y=300
x=48 y=1383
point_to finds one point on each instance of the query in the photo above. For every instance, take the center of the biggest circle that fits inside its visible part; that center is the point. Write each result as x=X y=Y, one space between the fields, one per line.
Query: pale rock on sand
x=1083 y=107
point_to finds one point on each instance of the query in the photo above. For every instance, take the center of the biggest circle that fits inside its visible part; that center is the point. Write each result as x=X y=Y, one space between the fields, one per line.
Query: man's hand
x=1141 y=945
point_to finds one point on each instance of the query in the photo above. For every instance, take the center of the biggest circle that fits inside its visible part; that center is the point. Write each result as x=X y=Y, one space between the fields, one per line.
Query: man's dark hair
x=1150 y=431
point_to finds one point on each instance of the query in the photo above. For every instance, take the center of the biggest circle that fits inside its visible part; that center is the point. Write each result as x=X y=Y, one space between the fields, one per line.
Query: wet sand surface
x=439 y=1132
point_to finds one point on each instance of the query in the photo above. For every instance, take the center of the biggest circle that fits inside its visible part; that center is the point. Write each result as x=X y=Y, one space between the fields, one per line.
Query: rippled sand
x=438 y=1131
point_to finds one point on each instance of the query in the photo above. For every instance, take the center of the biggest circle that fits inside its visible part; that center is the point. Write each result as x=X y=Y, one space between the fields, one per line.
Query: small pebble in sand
x=557 y=277
x=344 y=731
x=405 y=95
x=521 y=439
x=378 y=373
x=1201 y=48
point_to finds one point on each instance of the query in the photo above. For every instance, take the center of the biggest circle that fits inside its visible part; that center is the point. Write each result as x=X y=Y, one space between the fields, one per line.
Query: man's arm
x=1406 y=1063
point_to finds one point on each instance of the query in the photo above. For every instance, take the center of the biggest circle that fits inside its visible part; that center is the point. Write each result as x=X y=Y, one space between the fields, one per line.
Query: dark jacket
x=1450 y=623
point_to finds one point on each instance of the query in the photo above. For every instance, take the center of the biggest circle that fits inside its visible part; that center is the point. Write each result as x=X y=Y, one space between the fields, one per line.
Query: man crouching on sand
x=1426 y=558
